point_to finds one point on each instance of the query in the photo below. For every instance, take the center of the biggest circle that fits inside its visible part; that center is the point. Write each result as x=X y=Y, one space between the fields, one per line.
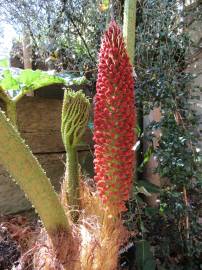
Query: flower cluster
x=114 y=121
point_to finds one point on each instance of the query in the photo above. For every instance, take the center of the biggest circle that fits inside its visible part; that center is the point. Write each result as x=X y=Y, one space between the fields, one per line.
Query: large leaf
x=32 y=80
x=144 y=256
x=28 y=77
x=4 y=63
x=45 y=80
x=9 y=82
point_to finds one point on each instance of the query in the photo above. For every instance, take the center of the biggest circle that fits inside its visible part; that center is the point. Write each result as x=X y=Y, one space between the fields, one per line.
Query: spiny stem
x=10 y=107
x=16 y=157
x=12 y=112
x=72 y=181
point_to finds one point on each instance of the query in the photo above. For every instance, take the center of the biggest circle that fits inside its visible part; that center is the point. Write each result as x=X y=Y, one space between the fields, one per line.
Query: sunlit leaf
x=4 y=63
x=136 y=146
x=9 y=82
x=150 y=187
x=104 y=5
x=143 y=190
x=28 y=76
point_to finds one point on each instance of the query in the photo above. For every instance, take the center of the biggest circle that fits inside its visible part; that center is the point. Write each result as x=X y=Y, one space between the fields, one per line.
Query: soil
x=9 y=250
x=17 y=235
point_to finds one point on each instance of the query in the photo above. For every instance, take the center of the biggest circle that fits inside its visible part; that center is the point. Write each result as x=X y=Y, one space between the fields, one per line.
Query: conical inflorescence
x=114 y=121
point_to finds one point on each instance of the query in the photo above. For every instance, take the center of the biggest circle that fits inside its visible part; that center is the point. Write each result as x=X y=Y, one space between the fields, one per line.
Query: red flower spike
x=114 y=121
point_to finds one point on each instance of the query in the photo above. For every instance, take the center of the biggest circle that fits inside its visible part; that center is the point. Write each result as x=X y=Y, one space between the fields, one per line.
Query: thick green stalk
x=72 y=178
x=16 y=157
x=3 y=96
x=11 y=112
x=129 y=26
x=10 y=107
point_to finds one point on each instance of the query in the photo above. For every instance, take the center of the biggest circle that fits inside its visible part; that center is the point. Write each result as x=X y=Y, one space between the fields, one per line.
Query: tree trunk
x=27 y=51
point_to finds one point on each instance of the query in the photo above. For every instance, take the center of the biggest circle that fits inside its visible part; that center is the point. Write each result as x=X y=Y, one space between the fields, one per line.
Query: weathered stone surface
x=39 y=122
x=12 y=199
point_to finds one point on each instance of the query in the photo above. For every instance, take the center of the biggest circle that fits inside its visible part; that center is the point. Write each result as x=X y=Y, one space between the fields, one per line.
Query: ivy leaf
x=143 y=190
x=150 y=187
x=147 y=157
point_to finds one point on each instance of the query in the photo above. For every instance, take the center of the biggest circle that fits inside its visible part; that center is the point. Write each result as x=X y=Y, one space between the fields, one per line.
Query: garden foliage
x=162 y=47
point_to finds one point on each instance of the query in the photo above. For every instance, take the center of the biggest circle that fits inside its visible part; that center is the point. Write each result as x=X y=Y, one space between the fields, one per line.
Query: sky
x=6 y=40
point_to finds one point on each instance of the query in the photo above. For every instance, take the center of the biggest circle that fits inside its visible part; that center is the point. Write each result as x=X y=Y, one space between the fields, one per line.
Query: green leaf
x=147 y=157
x=142 y=190
x=45 y=80
x=144 y=256
x=105 y=5
x=36 y=79
x=28 y=77
x=9 y=82
x=151 y=188
x=4 y=63
x=80 y=80
x=32 y=80
x=138 y=131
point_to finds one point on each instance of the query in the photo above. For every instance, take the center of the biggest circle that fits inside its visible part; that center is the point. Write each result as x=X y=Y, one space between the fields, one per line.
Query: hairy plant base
x=93 y=244
x=63 y=254
x=101 y=253
x=102 y=234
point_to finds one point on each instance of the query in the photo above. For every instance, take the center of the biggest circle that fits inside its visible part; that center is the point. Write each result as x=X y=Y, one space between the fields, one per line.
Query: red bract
x=114 y=121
